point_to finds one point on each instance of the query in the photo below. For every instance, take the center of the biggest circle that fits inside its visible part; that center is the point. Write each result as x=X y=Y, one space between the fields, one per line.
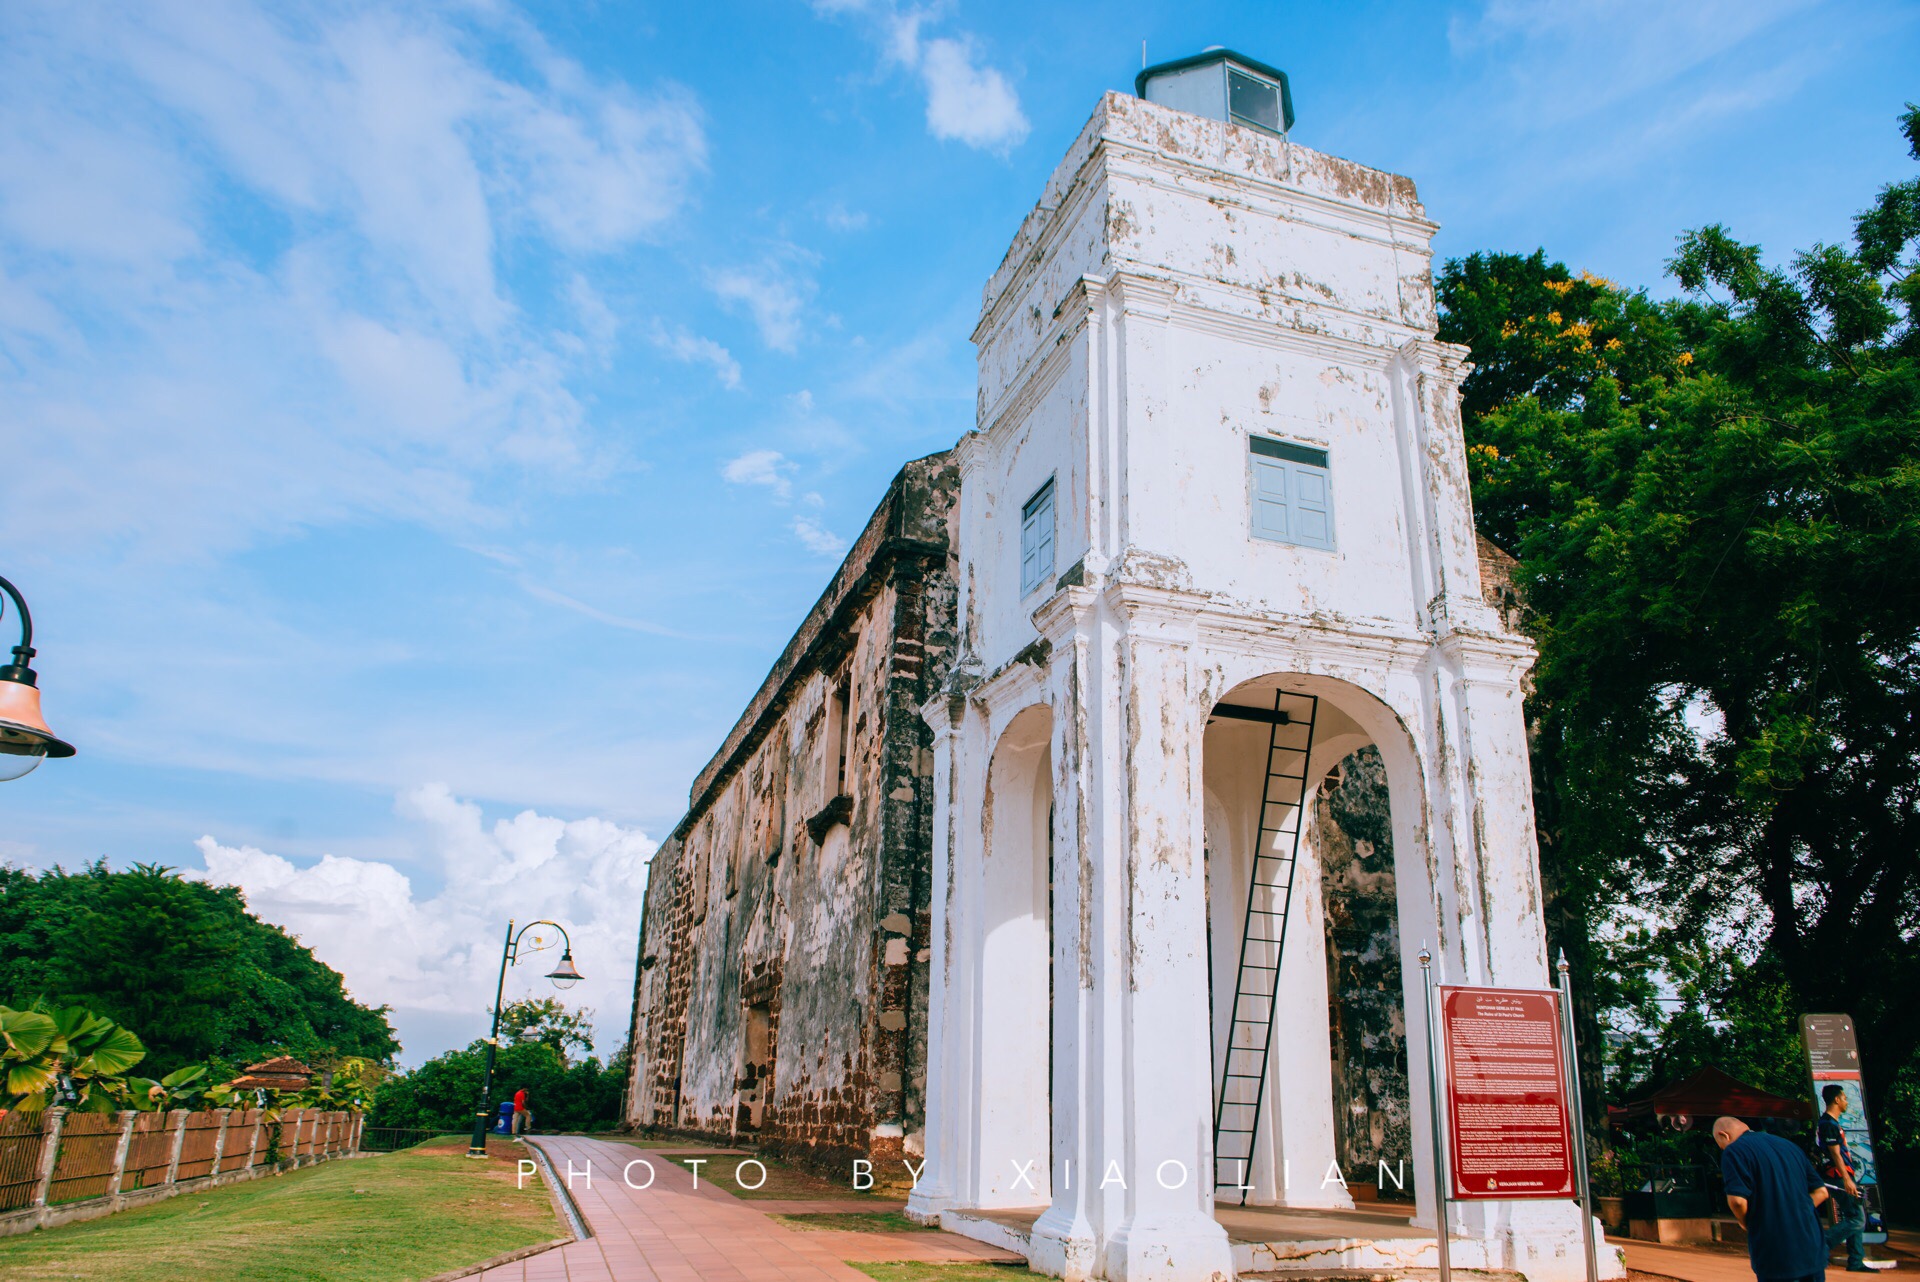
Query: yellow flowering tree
x=1715 y=501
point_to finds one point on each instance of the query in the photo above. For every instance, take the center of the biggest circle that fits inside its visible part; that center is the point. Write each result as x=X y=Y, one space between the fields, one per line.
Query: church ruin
x=1077 y=847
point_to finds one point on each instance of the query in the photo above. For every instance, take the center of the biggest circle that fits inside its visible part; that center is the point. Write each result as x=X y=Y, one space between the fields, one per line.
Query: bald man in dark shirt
x=1772 y=1189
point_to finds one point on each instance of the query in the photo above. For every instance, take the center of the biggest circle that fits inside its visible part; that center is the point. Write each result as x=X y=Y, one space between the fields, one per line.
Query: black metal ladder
x=1263 y=941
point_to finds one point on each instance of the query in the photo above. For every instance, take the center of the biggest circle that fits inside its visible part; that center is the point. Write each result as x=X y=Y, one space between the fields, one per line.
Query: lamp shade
x=564 y=975
x=25 y=740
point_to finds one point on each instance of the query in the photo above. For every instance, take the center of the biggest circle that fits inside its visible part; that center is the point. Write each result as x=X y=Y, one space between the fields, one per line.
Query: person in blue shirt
x=1772 y=1189
x=1836 y=1162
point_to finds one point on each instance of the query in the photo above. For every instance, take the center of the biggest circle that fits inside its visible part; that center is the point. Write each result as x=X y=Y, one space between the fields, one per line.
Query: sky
x=422 y=426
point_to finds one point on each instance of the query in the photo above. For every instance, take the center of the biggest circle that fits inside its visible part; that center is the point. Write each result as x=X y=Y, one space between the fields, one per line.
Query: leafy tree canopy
x=185 y=963
x=1716 y=505
x=580 y=1096
x=548 y=1020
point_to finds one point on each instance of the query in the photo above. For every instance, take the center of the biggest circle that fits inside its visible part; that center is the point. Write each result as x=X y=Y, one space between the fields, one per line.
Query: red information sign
x=1507 y=1114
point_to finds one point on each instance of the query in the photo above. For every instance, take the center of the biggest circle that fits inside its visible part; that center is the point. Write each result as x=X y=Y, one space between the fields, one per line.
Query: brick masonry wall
x=790 y=898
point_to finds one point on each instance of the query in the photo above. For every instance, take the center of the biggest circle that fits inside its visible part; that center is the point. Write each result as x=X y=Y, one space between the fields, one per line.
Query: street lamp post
x=25 y=740
x=563 y=976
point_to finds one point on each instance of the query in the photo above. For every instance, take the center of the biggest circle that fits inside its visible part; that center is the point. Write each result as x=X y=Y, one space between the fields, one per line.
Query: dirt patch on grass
x=854 y=1222
x=910 y=1272
x=732 y=1174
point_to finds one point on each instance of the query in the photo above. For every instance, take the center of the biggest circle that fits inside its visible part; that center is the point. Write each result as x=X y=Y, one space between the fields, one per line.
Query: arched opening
x=1310 y=1031
x=1014 y=1070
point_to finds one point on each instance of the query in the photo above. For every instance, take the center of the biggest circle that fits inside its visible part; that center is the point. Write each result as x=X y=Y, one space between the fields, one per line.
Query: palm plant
x=70 y=1056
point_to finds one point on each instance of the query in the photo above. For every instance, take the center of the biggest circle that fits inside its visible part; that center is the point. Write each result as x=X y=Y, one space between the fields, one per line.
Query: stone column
x=51 y=1123
x=120 y=1150
x=1133 y=1091
x=1151 y=983
x=1492 y=906
x=220 y=1140
x=179 y=1116
x=935 y=1190
x=1065 y=1240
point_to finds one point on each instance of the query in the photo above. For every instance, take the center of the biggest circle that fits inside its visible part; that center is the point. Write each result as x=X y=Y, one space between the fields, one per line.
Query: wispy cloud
x=1566 y=62
x=195 y=387
x=1570 y=104
x=692 y=349
x=968 y=101
x=839 y=218
x=541 y=592
x=816 y=538
x=770 y=468
x=773 y=292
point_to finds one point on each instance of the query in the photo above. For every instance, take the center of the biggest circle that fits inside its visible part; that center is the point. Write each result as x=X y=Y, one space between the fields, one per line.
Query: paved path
x=671 y=1233
x=1710 y=1264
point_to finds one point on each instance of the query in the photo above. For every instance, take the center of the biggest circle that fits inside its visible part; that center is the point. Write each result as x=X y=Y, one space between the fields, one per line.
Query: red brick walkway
x=671 y=1233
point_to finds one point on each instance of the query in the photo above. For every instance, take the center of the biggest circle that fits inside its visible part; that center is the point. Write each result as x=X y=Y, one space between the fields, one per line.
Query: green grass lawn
x=391 y=1218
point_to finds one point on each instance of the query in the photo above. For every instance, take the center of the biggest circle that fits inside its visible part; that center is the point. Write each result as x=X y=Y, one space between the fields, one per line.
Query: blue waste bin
x=503 y=1125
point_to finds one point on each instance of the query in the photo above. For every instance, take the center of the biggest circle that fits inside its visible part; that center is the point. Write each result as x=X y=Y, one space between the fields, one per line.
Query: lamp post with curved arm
x=25 y=740
x=563 y=976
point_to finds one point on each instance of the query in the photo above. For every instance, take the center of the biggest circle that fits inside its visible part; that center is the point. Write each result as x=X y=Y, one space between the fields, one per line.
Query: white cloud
x=1563 y=62
x=602 y=179
x=192 y=385
x=773 y=293
x=770 y=468
x=839 y=218
x=1567 y=101
x=598 y=324
x=439 y=955
x=816 y=538
x=541 y=592
x=967 y=101
x=693 y=349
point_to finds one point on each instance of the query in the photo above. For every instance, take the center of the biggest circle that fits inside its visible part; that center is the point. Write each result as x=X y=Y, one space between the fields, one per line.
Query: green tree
x=1717 y=521
x=548 y=1020
x=581 y=1096
x=182 y=962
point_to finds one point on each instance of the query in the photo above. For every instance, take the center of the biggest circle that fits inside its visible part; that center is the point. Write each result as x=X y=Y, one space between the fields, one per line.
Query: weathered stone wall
x=782 y=985
x=1352 y=835
x=1497 y=585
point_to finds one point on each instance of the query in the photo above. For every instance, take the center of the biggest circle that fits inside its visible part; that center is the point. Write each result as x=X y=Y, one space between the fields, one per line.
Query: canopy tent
x=1707 y=1094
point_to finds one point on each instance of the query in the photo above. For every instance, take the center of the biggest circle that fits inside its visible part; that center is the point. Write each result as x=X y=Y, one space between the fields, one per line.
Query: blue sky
x=423 y=425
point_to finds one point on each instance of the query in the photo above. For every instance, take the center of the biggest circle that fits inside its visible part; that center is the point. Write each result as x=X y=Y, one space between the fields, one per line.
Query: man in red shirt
x=520 y=1114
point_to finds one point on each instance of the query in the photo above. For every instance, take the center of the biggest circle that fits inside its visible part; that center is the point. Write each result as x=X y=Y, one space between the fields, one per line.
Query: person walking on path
x=1836 y=1165
x=1772 y=1189
x=520 y=1114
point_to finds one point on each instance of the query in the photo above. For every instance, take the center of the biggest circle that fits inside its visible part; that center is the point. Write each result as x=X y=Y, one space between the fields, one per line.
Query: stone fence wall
x=56 y=1166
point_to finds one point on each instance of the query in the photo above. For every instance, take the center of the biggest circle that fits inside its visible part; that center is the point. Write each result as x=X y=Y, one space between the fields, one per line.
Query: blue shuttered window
x=1292 y=493
x=1036 y=540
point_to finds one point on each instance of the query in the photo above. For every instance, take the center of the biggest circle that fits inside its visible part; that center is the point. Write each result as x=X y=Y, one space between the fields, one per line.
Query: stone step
x=1377 y=1275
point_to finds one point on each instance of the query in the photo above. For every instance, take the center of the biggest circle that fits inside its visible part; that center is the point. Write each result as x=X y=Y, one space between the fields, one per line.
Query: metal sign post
x=1581 y=1180
x=1439 y=1126
x=1833 y=1057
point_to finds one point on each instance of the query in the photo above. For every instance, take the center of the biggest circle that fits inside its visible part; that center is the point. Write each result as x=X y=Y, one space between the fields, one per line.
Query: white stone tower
x=1218 y=465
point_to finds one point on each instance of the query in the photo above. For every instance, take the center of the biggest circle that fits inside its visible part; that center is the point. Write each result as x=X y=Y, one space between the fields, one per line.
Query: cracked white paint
x=1182 y=284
